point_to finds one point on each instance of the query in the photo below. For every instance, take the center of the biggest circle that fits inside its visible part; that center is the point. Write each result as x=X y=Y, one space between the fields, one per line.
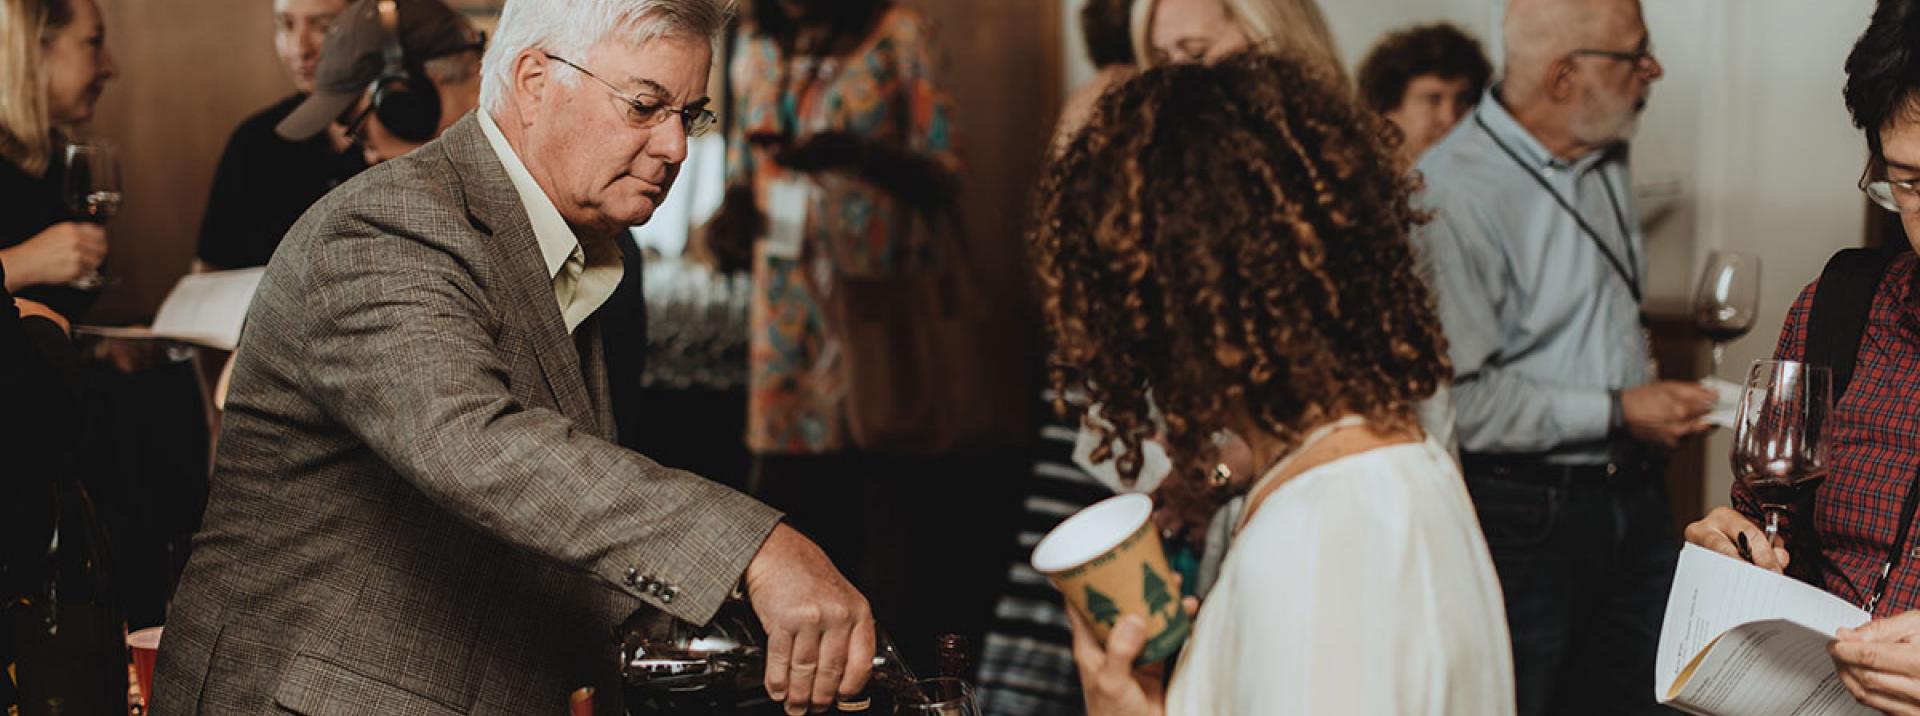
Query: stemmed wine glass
x=1726 y=300
x=1780 y=436
x=92 y=191
x=944 y=696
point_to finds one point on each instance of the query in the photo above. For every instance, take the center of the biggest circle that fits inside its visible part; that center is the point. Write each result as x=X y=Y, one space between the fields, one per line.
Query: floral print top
x=882 y=92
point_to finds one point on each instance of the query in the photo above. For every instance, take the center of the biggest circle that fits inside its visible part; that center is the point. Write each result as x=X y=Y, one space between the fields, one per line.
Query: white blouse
x=1361 y=586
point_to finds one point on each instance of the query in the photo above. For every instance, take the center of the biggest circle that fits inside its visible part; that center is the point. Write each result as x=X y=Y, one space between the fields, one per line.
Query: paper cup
x=1108 y=562
x=145 y=645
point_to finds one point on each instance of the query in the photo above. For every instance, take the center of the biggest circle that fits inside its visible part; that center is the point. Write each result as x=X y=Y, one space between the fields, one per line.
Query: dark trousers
x=1586 y=559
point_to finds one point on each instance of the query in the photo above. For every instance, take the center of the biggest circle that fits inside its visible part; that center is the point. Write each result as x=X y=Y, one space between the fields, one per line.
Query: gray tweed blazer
x=418 y=507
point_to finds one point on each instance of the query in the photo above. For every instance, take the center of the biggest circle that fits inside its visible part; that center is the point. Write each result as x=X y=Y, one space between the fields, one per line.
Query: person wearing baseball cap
x=264 y=182
x=394 y=73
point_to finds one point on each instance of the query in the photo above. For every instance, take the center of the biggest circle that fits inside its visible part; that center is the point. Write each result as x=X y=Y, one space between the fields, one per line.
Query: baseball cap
x=354 y=55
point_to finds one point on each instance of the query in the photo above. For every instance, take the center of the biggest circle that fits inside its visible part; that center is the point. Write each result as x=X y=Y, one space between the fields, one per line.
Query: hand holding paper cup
x=1108 y=561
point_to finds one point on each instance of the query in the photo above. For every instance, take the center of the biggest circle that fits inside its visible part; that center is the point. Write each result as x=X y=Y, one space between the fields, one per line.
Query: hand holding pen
x=1730 y=533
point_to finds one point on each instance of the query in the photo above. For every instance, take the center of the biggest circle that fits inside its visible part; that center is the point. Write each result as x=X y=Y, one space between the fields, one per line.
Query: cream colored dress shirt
x=584 y=276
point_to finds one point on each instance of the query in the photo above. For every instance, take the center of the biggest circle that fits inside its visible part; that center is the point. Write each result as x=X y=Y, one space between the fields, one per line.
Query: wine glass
x=944 y=696
x=1780 y=437
x=1728 y=296
x=92 y=191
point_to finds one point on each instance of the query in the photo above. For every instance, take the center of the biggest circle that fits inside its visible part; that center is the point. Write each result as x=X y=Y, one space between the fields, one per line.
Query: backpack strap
x=1841 y=303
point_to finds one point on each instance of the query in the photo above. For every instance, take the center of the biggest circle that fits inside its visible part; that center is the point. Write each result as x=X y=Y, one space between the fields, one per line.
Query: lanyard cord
x=1895 y=550
x=1619 y=268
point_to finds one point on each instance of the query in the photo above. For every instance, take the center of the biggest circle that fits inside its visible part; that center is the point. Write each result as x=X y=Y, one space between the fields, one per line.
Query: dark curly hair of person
x=1439 y=49
x=1883 y=70
x=1233 y=238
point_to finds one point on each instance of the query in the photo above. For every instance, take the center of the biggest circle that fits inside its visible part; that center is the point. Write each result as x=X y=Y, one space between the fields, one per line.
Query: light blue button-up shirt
x=1539 y=324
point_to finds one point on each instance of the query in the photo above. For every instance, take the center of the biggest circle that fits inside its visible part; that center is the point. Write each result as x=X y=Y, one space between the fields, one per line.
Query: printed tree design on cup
x=1102 y=607
x=1156 y=592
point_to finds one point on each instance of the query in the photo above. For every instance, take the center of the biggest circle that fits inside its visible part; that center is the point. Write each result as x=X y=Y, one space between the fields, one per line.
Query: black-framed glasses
x=1641 y=58
x=642 y=113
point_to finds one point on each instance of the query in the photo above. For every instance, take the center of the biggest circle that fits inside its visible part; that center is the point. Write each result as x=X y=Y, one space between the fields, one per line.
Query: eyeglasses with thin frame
x=642 y=113
x=1899 y=197
x=1640 y=58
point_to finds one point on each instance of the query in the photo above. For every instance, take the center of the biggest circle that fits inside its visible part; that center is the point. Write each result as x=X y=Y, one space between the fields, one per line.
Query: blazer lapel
x=495 y=206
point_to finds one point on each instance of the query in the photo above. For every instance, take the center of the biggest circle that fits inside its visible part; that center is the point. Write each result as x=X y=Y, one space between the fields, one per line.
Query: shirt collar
x=1500 y=123
x=557 y=241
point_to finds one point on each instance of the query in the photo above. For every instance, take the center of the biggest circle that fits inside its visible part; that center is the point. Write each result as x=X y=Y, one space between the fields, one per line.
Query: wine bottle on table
x=952 y=651
x=62 y=615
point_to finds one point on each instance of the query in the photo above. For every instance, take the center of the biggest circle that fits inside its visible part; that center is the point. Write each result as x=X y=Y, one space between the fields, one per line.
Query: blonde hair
x=1294 y=27
x=25 y=128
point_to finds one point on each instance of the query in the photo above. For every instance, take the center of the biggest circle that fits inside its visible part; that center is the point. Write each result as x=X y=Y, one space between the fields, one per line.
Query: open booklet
x=203 y=308
x=1739 y=640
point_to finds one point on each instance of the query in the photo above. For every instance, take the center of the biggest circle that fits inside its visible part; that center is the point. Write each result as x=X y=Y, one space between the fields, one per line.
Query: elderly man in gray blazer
x=418 y=506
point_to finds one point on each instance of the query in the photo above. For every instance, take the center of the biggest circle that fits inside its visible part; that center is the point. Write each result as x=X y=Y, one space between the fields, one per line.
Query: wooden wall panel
x=1004 y=69
x=190 y=70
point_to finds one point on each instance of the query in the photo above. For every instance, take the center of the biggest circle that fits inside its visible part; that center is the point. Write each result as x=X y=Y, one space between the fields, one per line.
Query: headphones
x=407 y=103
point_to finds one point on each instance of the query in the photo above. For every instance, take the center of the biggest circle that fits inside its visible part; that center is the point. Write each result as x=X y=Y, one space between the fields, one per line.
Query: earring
x=1221 y=475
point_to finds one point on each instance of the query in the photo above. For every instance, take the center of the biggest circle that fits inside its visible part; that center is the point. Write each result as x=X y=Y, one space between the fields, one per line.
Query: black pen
x=1746 y=552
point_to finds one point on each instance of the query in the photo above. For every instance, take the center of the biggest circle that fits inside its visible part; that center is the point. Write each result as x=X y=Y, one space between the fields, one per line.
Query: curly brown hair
x=1235 y=238
x=1440 y=49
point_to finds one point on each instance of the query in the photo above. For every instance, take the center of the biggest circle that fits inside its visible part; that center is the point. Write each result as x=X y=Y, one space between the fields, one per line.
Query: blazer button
x=666 y=595
x=633 y=576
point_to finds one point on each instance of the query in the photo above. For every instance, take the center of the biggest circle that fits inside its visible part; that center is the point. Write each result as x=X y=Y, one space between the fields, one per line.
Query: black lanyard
x=1632 y=279
x=1897 y=549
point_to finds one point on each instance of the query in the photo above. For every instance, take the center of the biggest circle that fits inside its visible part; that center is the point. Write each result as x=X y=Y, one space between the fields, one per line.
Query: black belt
x=1627 y=470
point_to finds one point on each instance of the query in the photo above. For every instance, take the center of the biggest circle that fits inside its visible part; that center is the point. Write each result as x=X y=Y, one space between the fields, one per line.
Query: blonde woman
x=1207 y=30
x=53 y=66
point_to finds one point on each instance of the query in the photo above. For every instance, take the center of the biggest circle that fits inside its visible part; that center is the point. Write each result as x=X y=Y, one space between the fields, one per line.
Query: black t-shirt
x=263 y=185
x=31 y=205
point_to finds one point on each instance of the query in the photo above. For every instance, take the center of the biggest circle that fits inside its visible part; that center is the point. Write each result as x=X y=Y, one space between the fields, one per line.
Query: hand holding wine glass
x=1780 y=436
x=59 y=254
x=92 y=191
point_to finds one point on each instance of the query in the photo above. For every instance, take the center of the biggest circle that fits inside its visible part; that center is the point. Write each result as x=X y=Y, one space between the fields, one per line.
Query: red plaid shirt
x=1876 y=449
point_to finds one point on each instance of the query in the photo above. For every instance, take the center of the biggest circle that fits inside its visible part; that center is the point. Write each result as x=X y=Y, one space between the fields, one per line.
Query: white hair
x=568 y=27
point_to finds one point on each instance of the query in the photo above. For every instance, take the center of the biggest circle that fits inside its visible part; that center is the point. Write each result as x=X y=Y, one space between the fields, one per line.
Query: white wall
x=1745 y=144
x=1078 y=69
x=1780 y=158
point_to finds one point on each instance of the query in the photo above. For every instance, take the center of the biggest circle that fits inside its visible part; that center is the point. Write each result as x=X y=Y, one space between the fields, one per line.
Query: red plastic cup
x=146 y=647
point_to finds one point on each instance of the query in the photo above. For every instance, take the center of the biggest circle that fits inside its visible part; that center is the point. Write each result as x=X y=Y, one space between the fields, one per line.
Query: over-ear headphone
x=406 y=102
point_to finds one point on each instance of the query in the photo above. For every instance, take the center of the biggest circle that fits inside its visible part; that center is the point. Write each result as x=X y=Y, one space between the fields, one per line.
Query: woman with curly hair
x=1235 y=236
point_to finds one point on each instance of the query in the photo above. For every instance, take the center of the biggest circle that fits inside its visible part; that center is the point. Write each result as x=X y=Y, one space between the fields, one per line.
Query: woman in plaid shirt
x=1849 y=535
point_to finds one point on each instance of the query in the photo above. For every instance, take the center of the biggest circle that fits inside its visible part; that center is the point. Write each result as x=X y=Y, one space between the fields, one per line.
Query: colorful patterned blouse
x=882 y=92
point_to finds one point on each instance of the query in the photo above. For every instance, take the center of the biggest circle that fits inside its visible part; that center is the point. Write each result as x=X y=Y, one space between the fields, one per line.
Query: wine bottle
x=670 y=665
x=62 y=614
x=952 y=651
x=892 y=681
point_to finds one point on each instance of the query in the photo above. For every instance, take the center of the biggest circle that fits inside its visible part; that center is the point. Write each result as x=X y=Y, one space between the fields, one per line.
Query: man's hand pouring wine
x=820 y=636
